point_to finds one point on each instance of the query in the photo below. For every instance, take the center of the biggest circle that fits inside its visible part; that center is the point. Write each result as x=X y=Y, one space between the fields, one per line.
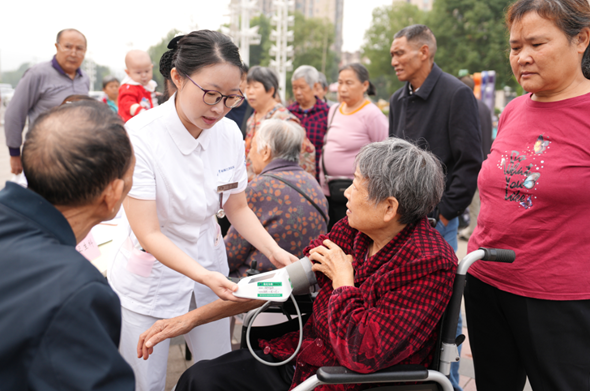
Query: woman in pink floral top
x=261 y=91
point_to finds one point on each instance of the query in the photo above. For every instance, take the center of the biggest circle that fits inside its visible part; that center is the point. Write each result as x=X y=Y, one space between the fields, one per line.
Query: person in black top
x=485 y=119
x=59 y=319
x=439 y=113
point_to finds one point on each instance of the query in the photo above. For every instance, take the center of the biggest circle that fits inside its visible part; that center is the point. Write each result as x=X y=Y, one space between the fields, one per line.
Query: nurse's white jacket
x=181 y=174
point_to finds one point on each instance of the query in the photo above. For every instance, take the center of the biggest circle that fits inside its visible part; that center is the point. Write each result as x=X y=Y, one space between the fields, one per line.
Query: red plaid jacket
x=391 y=314
x=315 y=123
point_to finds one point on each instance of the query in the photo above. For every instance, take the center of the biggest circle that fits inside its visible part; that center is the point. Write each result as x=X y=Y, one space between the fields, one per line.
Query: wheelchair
x=434 y=378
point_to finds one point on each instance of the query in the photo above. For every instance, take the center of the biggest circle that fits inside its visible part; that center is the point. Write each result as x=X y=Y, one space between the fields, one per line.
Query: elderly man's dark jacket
x=59 y=319
x=442 y=117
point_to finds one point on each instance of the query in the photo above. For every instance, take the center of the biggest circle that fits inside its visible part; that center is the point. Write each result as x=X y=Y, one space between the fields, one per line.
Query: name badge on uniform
x=220 y=190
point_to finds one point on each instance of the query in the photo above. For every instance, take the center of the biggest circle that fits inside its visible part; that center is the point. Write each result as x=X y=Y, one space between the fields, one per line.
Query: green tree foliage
x=387 y=20
x=471 y=35
x=13 y=77
x=259 y=53
x=156 y=52
x=312 y=39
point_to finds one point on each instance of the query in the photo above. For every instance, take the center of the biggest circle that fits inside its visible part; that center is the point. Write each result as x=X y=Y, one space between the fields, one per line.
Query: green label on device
x=270 y=295
x=270 y=284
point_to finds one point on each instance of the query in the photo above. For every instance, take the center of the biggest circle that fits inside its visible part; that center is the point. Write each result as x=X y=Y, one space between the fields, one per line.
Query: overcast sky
x=28 y=28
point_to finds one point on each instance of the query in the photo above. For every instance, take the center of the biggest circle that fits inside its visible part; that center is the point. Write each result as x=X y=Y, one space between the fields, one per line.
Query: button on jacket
x=181 y=174
x=442 y=117
x=60 y=321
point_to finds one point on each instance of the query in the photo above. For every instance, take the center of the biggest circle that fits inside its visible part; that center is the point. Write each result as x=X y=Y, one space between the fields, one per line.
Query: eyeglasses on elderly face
x=212 y=97
x=69 y=48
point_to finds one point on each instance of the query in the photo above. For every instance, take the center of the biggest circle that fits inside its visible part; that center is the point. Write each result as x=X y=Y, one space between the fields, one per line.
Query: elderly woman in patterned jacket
x=288 y=201
x=385 y=278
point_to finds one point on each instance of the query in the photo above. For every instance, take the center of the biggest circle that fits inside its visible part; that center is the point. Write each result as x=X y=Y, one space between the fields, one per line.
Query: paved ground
x=176 y=359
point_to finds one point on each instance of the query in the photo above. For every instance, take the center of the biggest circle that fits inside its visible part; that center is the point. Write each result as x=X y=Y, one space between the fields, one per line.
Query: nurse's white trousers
x=205 y=342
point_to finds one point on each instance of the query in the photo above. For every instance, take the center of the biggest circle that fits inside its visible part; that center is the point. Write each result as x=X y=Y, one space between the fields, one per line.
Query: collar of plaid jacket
x=319 y=106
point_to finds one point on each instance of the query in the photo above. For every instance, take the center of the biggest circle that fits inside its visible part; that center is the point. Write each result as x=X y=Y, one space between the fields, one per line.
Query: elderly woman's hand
x=334 y=263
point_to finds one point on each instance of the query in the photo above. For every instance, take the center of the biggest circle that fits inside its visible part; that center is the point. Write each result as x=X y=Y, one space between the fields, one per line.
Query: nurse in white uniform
x=190 y=167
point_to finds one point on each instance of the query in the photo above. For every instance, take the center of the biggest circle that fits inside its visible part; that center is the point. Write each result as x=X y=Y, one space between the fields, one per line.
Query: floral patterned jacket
x=307 y=156
x=287 y=216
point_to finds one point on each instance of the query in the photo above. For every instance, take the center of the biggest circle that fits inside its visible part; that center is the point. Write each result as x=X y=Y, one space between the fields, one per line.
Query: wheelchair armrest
x=396 y=373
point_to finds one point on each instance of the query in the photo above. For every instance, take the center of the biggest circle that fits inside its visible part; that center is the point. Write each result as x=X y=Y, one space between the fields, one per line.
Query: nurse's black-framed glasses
x=212 y=97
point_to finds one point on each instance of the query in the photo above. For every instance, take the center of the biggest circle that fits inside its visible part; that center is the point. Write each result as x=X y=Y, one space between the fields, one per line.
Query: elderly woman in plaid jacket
x=385 y=278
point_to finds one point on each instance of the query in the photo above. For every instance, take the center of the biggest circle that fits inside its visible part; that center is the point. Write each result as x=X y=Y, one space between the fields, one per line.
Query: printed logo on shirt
x=222 y=170
x=522 y=171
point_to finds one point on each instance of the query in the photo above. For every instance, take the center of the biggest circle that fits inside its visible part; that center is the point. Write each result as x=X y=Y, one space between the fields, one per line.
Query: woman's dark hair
x=266 y=76
x=72 y=152
x=570 y=16
x=199 y=49
x=108 y=79
x=361 y=73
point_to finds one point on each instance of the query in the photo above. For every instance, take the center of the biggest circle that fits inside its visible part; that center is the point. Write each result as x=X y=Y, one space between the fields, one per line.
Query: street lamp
x=281 y=50
x=244 y=35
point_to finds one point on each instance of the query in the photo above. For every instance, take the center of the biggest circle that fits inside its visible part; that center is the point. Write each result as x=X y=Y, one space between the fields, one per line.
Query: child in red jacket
x=135 y=93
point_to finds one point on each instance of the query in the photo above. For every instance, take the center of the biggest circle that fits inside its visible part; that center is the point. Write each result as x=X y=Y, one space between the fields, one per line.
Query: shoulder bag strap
x=326 y=138
x=300 y=192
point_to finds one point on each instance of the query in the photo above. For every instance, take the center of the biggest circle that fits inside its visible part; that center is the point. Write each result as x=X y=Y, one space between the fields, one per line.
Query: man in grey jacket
x=44 y=86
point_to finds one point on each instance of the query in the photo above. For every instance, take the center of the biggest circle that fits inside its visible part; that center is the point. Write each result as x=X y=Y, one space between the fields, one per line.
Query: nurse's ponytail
x=199 y=49
x=166 y=62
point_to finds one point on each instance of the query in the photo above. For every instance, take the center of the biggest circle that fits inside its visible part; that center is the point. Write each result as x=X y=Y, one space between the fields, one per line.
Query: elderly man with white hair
x=311 y=111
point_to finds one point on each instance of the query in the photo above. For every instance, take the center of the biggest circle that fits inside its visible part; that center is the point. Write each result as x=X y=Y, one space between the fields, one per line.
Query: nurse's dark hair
x=72 y=152
x=361 y=73
x=189 y=53
x=570 y=16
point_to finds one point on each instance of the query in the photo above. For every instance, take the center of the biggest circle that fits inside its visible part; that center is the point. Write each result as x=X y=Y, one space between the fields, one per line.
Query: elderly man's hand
x=334 y=263
x=16 y=166
x=161 y=330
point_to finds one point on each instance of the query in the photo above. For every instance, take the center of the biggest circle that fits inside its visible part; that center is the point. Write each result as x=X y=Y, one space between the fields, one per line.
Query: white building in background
x=424 y=5
x=350 y=57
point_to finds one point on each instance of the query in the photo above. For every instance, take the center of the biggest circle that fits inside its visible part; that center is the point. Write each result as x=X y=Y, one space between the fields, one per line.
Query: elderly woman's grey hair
x=308 y=73
x=397 y=168
x=284 y=138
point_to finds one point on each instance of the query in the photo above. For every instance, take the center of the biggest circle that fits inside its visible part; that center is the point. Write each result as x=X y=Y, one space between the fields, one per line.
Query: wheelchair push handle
x=498 y=255
x=454 y=306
